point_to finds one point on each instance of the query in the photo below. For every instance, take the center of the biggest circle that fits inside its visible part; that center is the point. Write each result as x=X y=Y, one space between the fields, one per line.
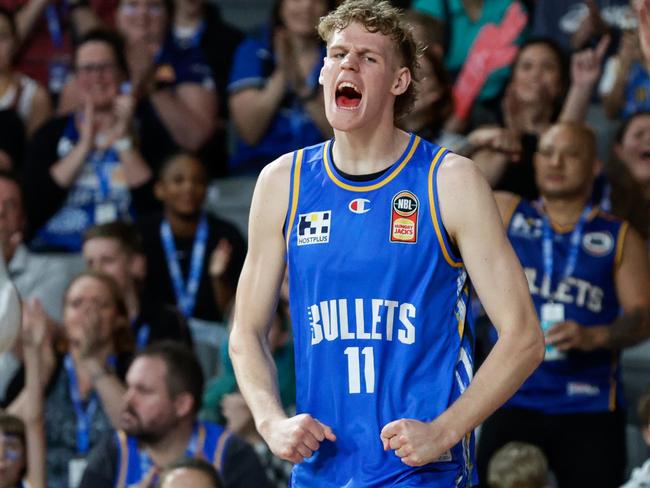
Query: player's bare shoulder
x=463 y=191
x=271 y=197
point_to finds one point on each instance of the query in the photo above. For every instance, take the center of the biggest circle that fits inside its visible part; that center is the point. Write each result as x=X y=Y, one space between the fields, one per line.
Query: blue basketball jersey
x=577 y=381
x=379 y=308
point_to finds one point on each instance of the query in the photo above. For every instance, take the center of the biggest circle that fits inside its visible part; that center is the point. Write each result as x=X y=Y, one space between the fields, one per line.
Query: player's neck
x=171 y=446
x=362 y=153
x=182 y=225
x=565 y=211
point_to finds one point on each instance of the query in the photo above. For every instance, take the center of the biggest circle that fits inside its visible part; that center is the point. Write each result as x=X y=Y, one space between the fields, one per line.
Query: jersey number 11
x=354 y=369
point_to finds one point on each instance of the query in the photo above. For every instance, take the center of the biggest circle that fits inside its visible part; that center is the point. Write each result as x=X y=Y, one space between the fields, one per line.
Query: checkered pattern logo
x=314 y=228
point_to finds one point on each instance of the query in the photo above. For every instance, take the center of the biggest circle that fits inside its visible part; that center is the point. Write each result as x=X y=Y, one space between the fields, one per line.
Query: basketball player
x=380 y=230
x=583 y=267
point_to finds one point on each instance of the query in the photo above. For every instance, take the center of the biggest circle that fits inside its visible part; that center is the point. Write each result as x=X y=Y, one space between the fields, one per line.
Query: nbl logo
x=314 y=228
x=404 y=218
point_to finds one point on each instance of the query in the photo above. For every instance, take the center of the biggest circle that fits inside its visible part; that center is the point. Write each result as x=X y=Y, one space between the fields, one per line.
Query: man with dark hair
x=159 y=426
x=116 y=249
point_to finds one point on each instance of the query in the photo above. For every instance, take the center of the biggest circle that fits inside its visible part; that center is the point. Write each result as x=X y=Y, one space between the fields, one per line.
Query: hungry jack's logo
x=404 y=218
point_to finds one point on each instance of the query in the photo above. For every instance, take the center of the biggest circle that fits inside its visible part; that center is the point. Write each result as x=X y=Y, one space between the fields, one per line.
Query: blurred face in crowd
x=537 y=71
x=97 y=73
x=107 y=255
x=565 y=163
x=149 y=411
x=12 y=219
x=182 y=186
x=7 y=43
x=90 y=307
x=12 y=460
x=187 y=478
x=300 y=17
x=634 y=148
x=142 y=20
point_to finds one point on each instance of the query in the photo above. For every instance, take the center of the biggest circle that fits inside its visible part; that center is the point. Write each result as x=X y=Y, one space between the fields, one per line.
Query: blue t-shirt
x=575 y=382
x=379 y=305
x=98 y=195
x=637 y=91
x=291 y=126
x=181 y=60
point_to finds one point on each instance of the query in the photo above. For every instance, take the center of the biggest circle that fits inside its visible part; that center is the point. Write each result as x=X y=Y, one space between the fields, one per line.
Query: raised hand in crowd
x=586 y=68
x=499 y=145
x=591 y=26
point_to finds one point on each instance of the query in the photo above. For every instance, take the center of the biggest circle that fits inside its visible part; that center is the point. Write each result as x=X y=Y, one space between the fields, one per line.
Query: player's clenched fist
x=415 y=443
x=296 y=438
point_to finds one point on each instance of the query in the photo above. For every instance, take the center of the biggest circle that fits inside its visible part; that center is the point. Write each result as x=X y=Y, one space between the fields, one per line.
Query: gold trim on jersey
x=218 y=452
x=432 y=207
x=124 y=459
x=622 y=232
x=294 y=196
x=374 y=186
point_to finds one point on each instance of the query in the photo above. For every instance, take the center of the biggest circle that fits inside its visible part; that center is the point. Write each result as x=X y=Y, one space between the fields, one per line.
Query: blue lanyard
x=84 y=416
x=185 y=292
x=98 y=159
x=574 y=242
x=54 y=26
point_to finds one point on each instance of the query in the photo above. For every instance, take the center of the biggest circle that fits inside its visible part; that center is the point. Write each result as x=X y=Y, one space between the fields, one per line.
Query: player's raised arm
x=472 y=219
x=257 y=295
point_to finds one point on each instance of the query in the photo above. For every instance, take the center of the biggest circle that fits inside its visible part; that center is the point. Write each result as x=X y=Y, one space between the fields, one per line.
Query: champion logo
x=359 y=205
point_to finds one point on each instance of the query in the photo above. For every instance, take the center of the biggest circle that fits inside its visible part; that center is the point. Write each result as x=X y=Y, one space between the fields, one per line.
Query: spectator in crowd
x=624 y=190
x=518 y=465
x=463 y=21
x=178 y=102
x=624 y=89
x=432 y=114
x=194 y=259
x=275 y=99
x=19 y=92
x=16 y=467
x=589 y=277
x=190 y=473
x=116 y=250
x=36 y=277
x=83 y=388
x=165 y=384
x=641 y=476
x=199 y=23
x=85 y=168
x=541 y=91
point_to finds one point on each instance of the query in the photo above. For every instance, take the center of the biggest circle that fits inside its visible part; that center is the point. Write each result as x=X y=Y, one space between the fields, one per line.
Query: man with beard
x=159 y=426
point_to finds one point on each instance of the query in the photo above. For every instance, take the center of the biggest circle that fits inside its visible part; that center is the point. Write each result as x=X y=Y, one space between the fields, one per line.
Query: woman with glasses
x=85 y=168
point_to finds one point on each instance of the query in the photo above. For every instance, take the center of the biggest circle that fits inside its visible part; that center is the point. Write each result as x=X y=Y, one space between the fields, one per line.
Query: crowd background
x=131 y=135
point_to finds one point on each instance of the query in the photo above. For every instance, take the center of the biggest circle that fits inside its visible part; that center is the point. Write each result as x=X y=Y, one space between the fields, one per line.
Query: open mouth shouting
x=348 y=96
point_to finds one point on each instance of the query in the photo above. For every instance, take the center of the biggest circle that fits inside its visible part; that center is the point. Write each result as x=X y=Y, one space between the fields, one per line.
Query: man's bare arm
x=632 y=280
x=472 y=219
x=257 y=295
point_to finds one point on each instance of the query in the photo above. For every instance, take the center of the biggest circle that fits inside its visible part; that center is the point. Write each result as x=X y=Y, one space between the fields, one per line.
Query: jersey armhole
x=434 y=206
x=510 y=211
x=220 y=451
x=294 y=193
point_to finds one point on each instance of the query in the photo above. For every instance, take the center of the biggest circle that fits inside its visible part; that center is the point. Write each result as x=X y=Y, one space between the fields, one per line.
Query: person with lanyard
x=194 y=259
x=83 y=388
x=159 y=426
x=116 y=249
x=274 y=97
x=589 y=277
x=84 y=168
